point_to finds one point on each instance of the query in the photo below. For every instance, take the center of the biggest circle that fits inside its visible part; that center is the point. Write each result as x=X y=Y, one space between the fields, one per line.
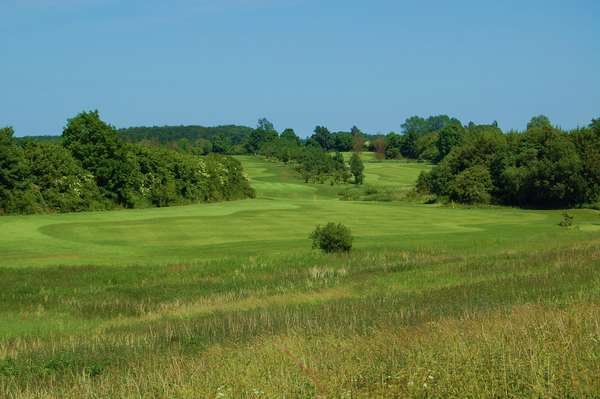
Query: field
x=228 y=300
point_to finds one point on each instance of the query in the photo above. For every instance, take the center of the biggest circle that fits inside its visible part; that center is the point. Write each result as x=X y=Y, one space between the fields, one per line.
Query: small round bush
x=332 y=238
x=567 y=220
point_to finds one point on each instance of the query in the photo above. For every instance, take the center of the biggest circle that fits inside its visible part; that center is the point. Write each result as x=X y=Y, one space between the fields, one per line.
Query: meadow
x=228 y=300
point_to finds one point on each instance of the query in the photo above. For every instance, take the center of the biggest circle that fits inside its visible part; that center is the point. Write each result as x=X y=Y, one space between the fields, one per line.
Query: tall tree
x=341 y=170
x=393 y=142
x=414 y=125
x=323 y=137
x=587 y=142
x=450 y=136
x=342 y=141
x=96 y=145
x=414 y=128
x=290 y=136
x=539 y=122
x=221 y=144
x=265 y=125
x=357 y=168
x=264 y=133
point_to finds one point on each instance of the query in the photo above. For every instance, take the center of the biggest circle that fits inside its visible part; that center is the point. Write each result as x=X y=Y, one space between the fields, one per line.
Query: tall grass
x=371 y=324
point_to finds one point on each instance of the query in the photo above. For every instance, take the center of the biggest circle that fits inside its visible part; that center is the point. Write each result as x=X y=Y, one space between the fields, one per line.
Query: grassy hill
x=228 y=299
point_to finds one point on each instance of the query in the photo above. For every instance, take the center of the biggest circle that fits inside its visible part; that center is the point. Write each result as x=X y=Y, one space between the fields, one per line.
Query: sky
x=299 y=63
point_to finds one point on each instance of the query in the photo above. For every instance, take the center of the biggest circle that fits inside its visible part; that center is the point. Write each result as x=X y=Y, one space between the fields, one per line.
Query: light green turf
x=401 y=174
x=280 y=219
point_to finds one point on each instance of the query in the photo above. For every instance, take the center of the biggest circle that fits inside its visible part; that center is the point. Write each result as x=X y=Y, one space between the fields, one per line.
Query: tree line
x=311 y=156
x=544 y=166
x=92 y=168
x=197 y=140
x=228 y=139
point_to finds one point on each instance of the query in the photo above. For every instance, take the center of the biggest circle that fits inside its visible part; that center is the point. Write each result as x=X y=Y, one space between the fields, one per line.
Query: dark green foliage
x=542 y=167
x=43 y=139
x=426 y=139
x=393 y=144
x=174 y=178
x=290 y=136
x=221 y=144
x=312 y=160
x=415 y=125
x=168 y=134
x=587 y=142
x=449 y=137
x=63 y=185
x=265 y=125
x=341 y=173
x=472 y=186
x=332 y=238
x=97 y=147
x=473 y=129
x=282 y=149
x=539 y=122
x=357 y=168
x=427 y=147
x=317 y=166
x=195 y=140
x=323 y=138
x=94 y=169
x=408 y=146
x=227 y=179
x=544 y=170
x=17 y=194
x=342 y=141
x=264 y=133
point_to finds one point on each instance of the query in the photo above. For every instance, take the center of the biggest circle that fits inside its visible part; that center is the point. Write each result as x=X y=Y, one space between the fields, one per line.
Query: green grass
x=279 y=220
x=228 y=299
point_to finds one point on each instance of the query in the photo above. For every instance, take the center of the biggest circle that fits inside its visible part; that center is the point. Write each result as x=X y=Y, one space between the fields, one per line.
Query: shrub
x=332 y=238
x=567 y=220
x=473 y=185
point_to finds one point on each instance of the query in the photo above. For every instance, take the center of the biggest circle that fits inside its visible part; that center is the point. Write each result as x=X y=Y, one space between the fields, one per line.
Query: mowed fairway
x=228 y=300
x=279 y=220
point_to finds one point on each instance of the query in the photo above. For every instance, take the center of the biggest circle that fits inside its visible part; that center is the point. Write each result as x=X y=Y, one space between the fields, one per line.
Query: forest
x=542 y=167
x=92 y=168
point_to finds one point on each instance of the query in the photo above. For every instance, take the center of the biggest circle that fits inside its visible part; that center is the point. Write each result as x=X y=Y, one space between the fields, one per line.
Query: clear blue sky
x=297 y=62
